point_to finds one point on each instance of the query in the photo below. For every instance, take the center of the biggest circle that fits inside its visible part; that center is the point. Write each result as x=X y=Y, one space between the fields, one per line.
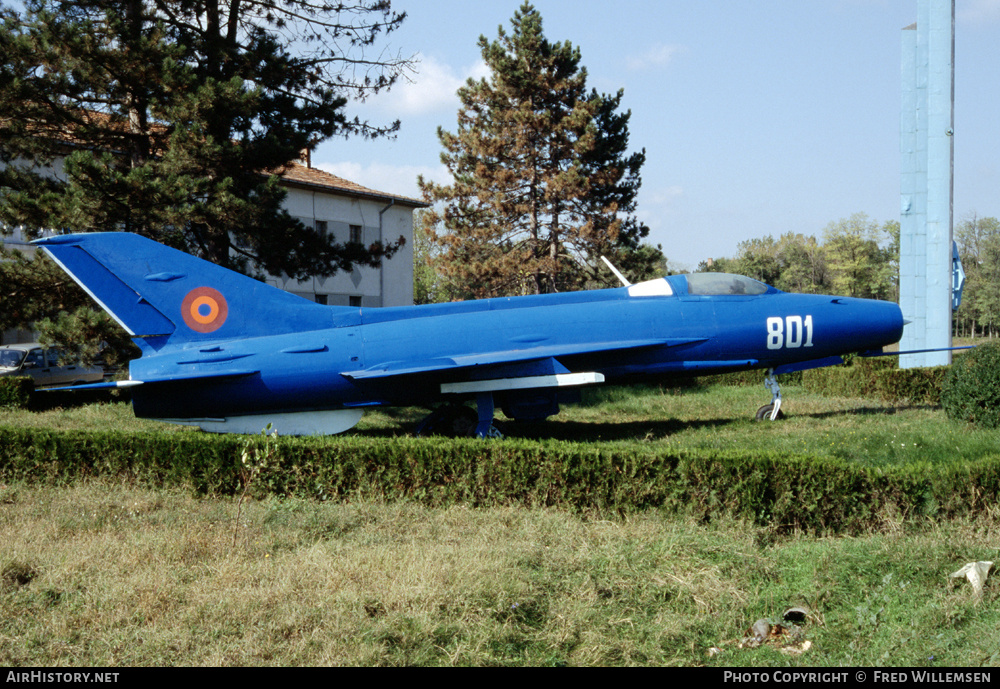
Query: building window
x=356 y=235
x=321 y=227
x=355 y=301
x=322 y=299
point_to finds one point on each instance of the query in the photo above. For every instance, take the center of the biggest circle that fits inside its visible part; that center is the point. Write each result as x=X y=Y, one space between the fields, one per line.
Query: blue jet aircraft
x=228 y=353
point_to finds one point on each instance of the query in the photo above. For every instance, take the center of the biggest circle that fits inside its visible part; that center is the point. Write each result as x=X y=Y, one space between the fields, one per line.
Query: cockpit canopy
x=701 y=284
x=718 y=284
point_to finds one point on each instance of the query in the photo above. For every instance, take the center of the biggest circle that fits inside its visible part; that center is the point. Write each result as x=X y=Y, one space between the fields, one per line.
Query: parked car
x=48 y=367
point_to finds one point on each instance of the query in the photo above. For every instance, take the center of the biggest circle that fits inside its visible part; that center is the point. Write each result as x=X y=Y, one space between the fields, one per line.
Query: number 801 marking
x=790 y=332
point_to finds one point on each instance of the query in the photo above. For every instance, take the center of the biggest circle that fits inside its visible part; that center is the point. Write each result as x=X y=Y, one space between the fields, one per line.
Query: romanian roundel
x=204 y=309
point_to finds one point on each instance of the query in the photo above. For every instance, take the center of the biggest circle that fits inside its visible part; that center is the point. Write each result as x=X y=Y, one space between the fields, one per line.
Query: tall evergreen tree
x=174 y=119
x=615 y=182
x=539 y=172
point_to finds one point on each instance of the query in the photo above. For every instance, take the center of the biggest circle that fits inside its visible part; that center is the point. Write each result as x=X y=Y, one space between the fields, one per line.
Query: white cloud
x=656 y=207
x=667 y=195
x=660 y=55
x=432 y=88
x=978 y=11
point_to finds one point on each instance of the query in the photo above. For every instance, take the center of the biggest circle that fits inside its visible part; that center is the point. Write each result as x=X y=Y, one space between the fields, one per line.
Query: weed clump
x=16 y=574
x=970 y=391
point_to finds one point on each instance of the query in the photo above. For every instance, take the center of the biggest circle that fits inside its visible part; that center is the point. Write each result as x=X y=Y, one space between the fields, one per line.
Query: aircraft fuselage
x=422 y=347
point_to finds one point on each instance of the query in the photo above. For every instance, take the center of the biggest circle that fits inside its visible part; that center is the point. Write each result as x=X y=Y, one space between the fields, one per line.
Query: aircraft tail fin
x=155 y=291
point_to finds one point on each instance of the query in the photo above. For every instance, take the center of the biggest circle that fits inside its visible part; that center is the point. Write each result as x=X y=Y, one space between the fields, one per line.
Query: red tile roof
x=299 y=175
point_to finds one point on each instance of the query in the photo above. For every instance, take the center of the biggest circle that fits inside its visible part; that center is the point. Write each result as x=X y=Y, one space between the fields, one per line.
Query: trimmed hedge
x=779 y=490
x=878 y=377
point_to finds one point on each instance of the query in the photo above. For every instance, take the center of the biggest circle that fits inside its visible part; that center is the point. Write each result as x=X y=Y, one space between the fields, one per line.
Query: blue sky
x=757 y=117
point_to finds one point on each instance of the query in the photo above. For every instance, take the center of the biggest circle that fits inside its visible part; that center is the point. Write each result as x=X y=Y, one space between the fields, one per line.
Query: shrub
x=971 y=388
x=15 y=392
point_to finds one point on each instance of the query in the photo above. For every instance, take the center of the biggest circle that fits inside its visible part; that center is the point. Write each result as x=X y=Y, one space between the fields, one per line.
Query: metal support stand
x=485 y=408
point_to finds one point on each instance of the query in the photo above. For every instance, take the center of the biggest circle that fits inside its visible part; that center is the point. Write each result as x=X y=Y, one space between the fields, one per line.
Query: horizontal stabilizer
x=175 y=378
x=111 y=385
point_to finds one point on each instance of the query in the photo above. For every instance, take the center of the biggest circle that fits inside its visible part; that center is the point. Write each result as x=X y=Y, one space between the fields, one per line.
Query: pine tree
x=174 y=119
x=615 y=182
x=539 y=177
x=36 y=292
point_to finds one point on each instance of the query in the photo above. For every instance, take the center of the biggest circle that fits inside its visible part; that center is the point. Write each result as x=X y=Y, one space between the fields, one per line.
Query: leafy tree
x=802 y=262
x=718 y=265
x=542 y=184
x=758 y=259
x=978 y=242
x=429 y=287
x=860 y=257
x=174 y=118
x=793 y=263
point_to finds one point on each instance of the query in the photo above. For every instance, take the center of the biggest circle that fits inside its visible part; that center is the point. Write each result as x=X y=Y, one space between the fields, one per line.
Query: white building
x=352 y=212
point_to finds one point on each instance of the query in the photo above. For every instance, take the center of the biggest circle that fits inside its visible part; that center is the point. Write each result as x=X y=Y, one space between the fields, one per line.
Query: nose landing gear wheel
x=764 y=413
x=771 y=411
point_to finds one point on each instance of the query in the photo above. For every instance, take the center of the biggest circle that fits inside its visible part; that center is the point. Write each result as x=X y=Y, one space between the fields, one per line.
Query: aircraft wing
x=503 y=358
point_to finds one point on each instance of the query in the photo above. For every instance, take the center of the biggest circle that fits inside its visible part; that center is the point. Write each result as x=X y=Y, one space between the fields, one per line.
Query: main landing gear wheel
x=455 y=421
x=772 y=411
x=452 y=420
x=460 y=422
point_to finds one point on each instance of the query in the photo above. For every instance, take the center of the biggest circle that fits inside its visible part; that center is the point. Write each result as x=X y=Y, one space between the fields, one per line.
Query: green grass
x=859 y=430
x=855 y=429
x=101 y=573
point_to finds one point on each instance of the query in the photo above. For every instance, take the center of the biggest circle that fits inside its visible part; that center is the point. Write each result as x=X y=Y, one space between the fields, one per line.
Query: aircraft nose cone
x=861 y=324
x=882 y=324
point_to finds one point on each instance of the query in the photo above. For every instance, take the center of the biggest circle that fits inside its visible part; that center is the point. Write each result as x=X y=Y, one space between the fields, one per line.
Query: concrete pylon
x=927 y=182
